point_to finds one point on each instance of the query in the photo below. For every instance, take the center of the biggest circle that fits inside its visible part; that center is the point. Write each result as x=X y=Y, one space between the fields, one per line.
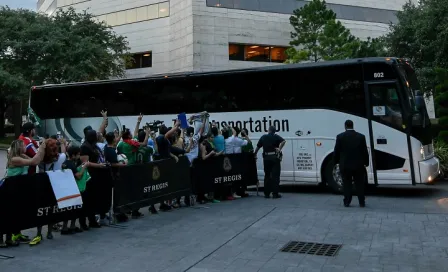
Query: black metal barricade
x=28 y=201
x=224 y=170
x=141 y=185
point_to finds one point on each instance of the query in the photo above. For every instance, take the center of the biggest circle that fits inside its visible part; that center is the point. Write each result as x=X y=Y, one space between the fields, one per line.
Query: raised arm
x=137 y=126
x=103 y=125
x=173 y=130
x=19 y=161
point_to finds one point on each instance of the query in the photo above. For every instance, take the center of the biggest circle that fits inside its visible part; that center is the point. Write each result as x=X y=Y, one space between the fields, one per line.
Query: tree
x=318 y=36
x=441 y=100
x=67 y=47
x=375 y=47
x=421 y=36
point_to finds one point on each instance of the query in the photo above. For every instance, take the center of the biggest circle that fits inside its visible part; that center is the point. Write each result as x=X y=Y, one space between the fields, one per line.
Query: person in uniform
x=351 y=153
x=272 y=145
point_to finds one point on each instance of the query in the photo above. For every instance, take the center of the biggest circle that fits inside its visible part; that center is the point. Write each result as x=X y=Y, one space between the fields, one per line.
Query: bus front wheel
x=333 y=177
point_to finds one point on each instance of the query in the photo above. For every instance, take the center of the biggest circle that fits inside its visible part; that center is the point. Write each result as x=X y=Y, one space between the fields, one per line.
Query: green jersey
x=128 y=151
x=144 y=154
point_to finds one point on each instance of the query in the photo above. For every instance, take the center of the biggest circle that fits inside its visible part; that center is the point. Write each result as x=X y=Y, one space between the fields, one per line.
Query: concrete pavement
x=401 y=229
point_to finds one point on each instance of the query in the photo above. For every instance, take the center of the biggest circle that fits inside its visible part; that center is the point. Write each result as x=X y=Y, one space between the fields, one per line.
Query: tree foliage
x=421 y=36
x=441 y=100
x=67 y=47
x=319 y=36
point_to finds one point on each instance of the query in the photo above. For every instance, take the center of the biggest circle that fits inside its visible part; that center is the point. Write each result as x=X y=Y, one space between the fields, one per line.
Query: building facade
x=204 y=35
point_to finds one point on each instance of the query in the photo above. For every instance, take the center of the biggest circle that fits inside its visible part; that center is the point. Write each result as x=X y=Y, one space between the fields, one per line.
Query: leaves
x=67 y=47
x=421 y=35
x=318 y=36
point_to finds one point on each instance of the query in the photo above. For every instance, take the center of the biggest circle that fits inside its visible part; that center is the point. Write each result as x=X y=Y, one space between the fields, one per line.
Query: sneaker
x=215 y=201
x=276 y=196
x=230 y=198
x=84 y=227
x=153 y=210
x=235 y=196
x=36 y=240
x=94 y=225
x=67 y=232
x=56 y=227
x=20 y=238
x=137 y=215
x=104 y=222
x=164 y=207
x=50 y=236
x=11 y=243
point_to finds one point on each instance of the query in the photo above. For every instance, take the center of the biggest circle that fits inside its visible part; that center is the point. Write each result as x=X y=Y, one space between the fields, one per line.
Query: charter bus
x=307 y=103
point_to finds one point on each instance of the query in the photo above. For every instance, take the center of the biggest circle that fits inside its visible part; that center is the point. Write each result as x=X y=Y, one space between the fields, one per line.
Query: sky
x=28 y=4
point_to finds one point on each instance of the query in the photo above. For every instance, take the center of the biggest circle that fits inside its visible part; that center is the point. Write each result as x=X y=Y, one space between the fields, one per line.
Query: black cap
x=27 y=127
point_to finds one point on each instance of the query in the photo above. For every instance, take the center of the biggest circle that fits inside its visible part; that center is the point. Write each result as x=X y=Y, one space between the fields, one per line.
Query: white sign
x=379 y=110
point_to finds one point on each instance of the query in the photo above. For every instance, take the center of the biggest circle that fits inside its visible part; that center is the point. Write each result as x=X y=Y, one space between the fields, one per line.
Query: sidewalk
x=401 y=229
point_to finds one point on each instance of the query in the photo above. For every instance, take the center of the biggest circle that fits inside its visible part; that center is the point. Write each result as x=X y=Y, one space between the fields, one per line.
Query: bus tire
x=329 y=174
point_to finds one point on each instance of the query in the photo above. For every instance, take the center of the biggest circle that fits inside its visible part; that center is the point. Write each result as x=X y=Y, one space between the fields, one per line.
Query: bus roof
x=231 y=71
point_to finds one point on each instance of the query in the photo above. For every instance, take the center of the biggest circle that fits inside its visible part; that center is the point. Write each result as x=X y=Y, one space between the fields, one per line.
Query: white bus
x=307 y=103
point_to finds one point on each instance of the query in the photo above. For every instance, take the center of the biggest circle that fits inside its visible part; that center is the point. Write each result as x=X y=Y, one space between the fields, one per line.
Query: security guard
x=272 y=145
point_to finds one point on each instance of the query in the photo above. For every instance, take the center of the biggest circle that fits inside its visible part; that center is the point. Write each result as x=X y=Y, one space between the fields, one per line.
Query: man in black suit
x=352 y=156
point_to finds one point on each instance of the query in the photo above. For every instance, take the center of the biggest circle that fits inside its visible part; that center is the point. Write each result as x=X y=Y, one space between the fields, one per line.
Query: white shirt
x=234 y=144
x=194 y=150
x=57 y=165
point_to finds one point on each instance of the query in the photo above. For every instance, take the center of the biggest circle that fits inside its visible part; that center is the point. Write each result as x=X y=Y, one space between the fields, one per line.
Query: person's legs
x=360 y=179
x=347 y=179
x=92 y=222
x=276 y=171
x=267 y=177
x=136 y=214
x=8 y=241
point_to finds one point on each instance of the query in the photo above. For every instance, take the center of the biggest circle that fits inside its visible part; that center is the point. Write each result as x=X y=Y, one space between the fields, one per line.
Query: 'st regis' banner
x=141 y=185
x=28 y=201
x=225 y=170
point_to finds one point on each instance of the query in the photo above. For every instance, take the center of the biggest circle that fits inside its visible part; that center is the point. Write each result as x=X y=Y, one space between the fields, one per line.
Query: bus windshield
x=423 y=131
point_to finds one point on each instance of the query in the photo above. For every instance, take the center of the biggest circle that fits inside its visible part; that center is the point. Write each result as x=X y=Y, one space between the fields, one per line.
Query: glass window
x=164 y=9
x=120 y=18
x=142 y=14
x=386 y=104
x=131 y=16
x=225 y=4
x=264 y=53
x=256 y=53
x=213 y=3
x=246 y=4
x=278 y=6
x=278 y=54
x=111 y=19
x=140 y=60
x=153 y=12
x=236 y=52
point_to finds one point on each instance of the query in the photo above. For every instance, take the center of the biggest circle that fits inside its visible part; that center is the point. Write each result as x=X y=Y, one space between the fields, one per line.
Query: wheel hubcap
x=337 y=177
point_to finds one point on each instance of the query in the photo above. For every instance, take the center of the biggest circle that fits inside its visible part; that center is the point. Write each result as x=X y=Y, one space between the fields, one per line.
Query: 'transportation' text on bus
x=307 y=103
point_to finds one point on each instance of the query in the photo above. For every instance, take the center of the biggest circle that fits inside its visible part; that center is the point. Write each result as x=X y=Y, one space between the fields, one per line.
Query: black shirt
x=71 y=165
x=93 y=153
x=110 y=154
x=163 y=147
x=270 y=142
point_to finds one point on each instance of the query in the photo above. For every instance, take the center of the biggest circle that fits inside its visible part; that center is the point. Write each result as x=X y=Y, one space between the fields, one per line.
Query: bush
x=441 y=152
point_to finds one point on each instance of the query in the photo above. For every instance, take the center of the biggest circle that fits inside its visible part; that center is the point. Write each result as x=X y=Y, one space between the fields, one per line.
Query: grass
x=7 y=140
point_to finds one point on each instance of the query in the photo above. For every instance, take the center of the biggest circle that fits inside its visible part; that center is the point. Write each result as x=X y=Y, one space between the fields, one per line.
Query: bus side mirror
x=420 y=102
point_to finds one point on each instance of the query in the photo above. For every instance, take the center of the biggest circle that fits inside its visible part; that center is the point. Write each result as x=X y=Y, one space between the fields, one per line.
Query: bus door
x=390 y=163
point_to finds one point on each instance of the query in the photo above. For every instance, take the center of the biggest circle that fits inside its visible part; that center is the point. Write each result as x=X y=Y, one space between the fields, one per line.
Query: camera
x=154 y=125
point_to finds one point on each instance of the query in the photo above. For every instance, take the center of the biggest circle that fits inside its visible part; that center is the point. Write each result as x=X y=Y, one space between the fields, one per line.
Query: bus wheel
x=333 y=177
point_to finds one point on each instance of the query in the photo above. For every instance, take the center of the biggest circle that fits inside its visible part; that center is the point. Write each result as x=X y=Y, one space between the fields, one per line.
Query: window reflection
x=140 y=60
x=254 y=52
x=386 y=105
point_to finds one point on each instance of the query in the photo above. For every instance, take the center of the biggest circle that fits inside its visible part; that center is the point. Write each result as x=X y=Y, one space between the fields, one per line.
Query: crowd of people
x=98 y=149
